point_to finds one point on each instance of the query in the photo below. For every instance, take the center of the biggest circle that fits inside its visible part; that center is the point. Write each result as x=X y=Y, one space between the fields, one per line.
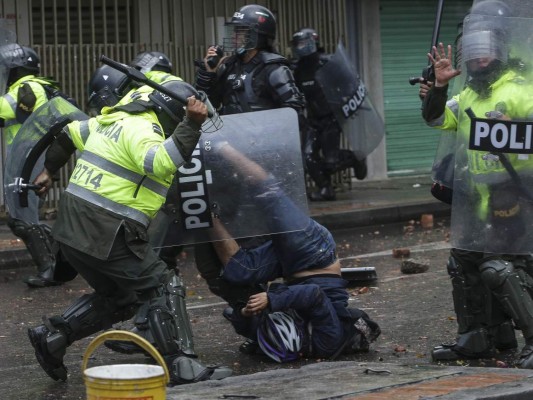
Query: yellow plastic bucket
x=125 y=381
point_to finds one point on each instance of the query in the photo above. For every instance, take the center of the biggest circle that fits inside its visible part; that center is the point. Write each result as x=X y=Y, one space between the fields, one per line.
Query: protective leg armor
x=512 y=287
x=89 y=314
x=167 y=326
x=482 y=325
x=38 y=241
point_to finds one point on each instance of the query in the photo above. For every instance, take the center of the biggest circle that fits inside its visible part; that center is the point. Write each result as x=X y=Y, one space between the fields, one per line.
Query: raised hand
x=442 y=65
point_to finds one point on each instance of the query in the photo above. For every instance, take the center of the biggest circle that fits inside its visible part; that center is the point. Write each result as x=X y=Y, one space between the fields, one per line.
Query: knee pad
x=495 y=272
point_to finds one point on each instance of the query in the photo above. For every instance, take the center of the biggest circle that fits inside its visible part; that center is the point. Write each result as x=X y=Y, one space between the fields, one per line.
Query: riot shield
x=211 y=186
x=25 y=155
x=7 y=37
x=492 y=209
x=348 y=99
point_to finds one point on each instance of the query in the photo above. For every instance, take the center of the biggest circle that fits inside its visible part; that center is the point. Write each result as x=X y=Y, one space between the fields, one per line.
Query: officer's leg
x=315 y=168
x=512 y=286
x=39 y=244
x=89 y=314
x=172 y=335
x=481 y=323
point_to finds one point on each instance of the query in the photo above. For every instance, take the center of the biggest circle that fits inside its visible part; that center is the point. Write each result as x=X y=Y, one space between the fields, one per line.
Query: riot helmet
x=485 y=32
x=304 y=43
x=106 y=87
x=170 y=112
x=251 y=27
x=281 y=336
x=152 y=61
x=19 y=61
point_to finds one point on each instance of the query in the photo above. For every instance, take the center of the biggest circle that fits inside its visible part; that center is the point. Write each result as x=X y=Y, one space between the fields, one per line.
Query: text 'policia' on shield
x=501 y=136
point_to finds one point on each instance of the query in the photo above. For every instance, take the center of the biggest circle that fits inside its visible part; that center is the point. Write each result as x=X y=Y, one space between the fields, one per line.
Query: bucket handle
x=124 y=335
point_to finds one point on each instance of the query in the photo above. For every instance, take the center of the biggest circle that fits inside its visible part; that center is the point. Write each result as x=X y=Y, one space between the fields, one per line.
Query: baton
x=427 y=72
x=136 y=75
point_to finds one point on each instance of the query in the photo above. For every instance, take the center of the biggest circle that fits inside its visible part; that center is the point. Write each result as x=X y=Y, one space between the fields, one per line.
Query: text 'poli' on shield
x=501 y=136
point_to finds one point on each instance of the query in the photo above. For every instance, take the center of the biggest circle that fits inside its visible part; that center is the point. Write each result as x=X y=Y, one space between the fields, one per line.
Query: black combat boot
x=51 y=360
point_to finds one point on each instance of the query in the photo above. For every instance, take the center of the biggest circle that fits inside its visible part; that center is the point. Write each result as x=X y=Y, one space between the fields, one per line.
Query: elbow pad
x=205 y=79
x=282 y=82
x=435 y=103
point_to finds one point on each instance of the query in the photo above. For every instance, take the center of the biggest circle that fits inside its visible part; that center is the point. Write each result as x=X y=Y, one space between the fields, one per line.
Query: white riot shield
x=25 y=155
x=348 y=98
x=492 y=208
x=7 y=37
x=210 y=186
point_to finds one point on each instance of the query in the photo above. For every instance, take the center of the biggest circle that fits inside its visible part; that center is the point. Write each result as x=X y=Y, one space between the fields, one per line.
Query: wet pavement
x=415 y=313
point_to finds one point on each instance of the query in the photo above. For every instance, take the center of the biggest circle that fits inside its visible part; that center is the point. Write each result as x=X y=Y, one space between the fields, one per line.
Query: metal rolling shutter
x=406 y=30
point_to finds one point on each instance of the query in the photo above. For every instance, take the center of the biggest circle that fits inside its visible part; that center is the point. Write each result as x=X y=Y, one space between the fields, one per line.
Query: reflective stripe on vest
x=124 y=173
x=172 y=151
x=84 y=130
x=119 y=209
x=11 y=101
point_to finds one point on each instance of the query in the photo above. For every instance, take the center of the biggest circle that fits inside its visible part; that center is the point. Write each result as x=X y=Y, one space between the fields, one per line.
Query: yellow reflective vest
x=9 y=101
x=126 y=165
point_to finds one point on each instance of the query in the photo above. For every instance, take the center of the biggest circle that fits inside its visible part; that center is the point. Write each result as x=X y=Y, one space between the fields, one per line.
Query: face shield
x=483 y=45
x=302 y=47
x=239 y=38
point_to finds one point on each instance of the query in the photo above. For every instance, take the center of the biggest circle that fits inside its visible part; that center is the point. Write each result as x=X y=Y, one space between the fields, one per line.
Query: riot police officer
x=253 y=78
x=129 y=156
x=486 y=208
x=26 y=93
x=323 y=156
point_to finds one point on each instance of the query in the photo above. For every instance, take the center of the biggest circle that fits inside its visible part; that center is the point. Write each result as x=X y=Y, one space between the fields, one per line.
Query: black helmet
x=14 y=55
x=152 y=61
x=106 y=87
x=170 y=112
x=304 y=42
x=252 y=27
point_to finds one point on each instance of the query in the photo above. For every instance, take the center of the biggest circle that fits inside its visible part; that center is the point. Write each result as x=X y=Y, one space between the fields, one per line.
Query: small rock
x=426 y=221
x=412 y=266
x=401 y=252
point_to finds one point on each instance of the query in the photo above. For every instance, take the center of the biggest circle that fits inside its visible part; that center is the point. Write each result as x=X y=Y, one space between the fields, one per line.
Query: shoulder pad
x=273 y=58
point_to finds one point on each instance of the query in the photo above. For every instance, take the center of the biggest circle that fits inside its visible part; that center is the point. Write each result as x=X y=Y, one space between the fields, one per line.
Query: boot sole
x=56 y=373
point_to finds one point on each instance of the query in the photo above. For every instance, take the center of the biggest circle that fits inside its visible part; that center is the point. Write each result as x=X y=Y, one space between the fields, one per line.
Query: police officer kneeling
x=129 y=156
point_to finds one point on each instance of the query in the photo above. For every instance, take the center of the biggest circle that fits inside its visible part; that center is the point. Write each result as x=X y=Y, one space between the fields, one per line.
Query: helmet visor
x=303 y=47
x=239 y=38
x=483 y=44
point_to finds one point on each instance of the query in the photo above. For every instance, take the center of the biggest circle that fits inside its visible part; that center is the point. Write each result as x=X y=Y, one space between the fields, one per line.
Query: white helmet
x=281 y=336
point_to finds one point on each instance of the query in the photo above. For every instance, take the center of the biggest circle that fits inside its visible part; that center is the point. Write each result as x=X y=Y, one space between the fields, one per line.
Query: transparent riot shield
x=492 y=208
x=350 y=103
x=212 y=186
x=25 y=155
x=7 y=37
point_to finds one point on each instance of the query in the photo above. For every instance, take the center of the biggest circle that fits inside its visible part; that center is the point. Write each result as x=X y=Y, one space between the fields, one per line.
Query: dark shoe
x=183 y=370
x=249 y=347
x=325 y=194
x=40 y=282
x=451 y=352
x=51 y=364
x=360 y=169
x=525 y=359
x=504 y=337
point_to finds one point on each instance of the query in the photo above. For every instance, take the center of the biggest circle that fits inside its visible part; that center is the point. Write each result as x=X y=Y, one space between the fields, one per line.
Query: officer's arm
x=59 y=153
x=434 y=103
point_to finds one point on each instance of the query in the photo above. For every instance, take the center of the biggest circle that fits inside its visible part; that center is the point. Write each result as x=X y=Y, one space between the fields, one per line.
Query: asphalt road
x=414 y=311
